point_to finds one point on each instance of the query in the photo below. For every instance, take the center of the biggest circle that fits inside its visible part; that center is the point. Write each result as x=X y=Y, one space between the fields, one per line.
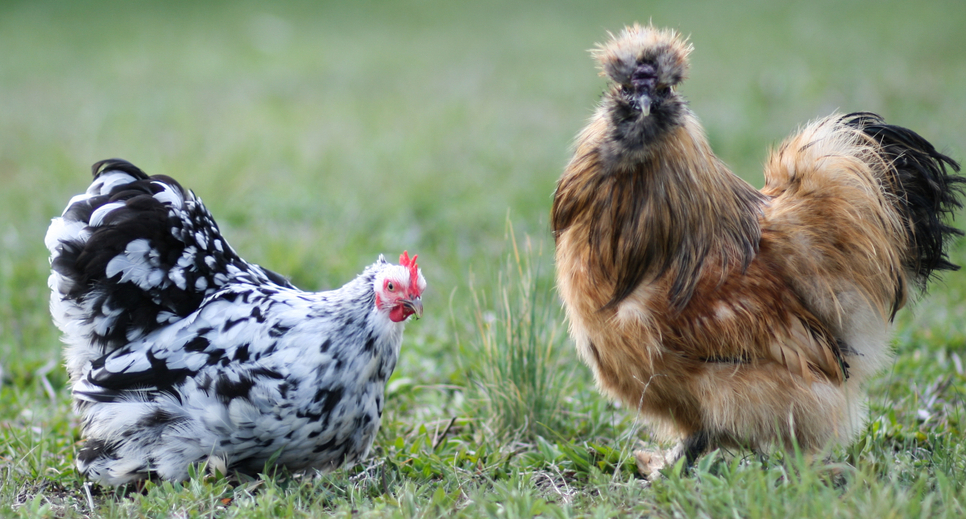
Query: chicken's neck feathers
x=666 y=207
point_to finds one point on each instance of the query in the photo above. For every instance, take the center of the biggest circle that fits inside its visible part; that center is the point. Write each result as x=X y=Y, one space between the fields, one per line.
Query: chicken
x=179 y=352
x=729 y=317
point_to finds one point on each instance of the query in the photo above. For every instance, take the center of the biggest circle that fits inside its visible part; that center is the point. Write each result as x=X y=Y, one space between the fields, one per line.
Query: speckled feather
x=180 y=352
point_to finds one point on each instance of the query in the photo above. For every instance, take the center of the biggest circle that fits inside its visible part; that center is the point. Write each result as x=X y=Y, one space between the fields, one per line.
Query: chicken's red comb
x=405 y=261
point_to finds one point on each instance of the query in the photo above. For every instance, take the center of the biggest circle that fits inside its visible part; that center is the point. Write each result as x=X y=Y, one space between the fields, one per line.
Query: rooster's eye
x=390 y=287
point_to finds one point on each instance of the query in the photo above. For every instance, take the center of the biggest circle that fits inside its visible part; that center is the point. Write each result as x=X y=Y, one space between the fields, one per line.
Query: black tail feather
x=928 y=193
x=118 y=165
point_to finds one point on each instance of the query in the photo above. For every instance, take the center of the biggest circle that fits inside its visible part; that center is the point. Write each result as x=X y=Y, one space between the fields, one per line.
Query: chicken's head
x=399 y=289
x=645 y=65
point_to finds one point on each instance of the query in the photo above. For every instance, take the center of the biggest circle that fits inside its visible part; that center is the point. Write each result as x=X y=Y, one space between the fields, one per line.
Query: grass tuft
x=523 y=374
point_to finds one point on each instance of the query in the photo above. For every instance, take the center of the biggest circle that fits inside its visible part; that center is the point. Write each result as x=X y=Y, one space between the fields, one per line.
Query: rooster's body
x=180 y=352
x=725 y=315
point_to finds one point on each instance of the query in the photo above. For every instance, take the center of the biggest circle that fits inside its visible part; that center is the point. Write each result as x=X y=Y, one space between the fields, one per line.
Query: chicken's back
x=133 y=254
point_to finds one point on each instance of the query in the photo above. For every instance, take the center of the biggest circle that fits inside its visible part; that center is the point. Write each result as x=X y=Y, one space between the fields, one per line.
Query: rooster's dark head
x=645 y=65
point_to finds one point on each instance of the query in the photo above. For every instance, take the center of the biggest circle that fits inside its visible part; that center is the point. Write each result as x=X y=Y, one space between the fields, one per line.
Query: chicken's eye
x=390 y=287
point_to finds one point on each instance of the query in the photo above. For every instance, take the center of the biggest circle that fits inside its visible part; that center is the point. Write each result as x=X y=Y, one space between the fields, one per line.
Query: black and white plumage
x=181 y=352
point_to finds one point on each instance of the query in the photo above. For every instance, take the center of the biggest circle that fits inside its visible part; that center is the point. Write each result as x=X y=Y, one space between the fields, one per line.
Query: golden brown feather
x=725 y=315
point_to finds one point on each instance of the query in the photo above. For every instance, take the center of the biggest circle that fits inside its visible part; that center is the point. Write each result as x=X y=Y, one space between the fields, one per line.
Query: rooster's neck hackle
x=644 y=184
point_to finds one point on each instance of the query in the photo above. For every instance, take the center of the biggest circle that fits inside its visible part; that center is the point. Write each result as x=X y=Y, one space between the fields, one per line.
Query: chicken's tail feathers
x=928 y=193
x=132 y=254
x=122 y=165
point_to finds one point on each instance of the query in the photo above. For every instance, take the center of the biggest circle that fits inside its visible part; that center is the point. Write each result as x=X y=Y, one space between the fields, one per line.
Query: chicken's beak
x=644 y=103
x=414 y=305
x=643 y=81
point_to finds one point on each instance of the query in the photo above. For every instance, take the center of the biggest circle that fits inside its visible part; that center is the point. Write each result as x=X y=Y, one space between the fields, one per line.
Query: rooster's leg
x=694 y=446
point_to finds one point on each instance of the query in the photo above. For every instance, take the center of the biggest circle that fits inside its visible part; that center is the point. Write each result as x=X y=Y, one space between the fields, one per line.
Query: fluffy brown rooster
x=727 y=316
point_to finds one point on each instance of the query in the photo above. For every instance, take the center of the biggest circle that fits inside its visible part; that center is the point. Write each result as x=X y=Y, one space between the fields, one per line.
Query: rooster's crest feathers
x=664 y=49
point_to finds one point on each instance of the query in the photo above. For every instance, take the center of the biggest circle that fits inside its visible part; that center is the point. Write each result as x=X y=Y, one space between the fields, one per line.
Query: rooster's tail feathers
x=927 y=192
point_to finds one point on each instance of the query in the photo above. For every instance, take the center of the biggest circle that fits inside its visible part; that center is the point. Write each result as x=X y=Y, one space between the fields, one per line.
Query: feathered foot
x=649 y=463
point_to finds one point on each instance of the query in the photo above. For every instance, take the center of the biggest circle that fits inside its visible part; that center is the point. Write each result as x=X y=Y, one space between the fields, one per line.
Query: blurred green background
x=323 y=133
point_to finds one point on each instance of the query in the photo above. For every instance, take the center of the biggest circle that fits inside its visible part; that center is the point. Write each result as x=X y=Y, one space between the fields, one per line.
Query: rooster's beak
x=643 y=81
x=644 y=104
x=414 y=305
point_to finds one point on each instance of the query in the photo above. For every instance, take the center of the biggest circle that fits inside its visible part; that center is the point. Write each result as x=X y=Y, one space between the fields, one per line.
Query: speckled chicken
x=180 y=352
x=725 y=315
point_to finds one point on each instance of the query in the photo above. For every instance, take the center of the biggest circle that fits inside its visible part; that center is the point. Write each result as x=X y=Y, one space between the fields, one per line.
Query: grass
x=321 y=135
x=520 y=381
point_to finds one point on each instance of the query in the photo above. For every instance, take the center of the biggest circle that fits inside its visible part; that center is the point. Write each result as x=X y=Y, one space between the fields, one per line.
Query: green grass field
x=321 y=134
